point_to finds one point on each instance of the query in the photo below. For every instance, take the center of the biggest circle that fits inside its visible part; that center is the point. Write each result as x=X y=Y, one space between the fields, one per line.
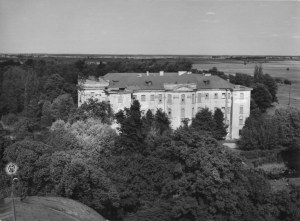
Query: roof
x=155 y=81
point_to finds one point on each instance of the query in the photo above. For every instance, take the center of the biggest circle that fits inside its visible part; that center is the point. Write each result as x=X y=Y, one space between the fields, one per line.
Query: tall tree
x=204 y=121
x=262 y=96
x=62 y=106
x=220 y=131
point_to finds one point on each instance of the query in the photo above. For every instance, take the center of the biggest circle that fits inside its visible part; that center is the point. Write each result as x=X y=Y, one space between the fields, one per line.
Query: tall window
x=169 y=101
x=182 y=113
x=170 y=112
x=120 y=99
x=241 y=109
x=216 y=95
x=223 y=95
x=228 y=95
x=241 y=122
x=241 y=95
x=193 y=98
x=152 y=97
x=182 y=98
x=206 y=96
x=143 y=98
x=160 y=98
x=199 y=98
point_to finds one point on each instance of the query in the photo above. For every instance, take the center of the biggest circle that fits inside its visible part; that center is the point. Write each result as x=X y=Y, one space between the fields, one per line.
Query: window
x=206 y=96
x=223 y=95
x=160 y=98
x=241 y=109
x=170 y=112
x=193 y=98
x=241 y=120
x=120 y=99
x=169 y=101
x=143 y=98
x=152 y=97
x=216 y=95
x=182 y=113
x=241 y=95
x=199 y=98
x=228 y=95
x=228 y=110
x=193 y=112
x=182 y=98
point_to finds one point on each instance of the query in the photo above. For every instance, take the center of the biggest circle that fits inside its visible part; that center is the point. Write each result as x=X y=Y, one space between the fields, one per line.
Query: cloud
x=210 y=13
x=296 y=37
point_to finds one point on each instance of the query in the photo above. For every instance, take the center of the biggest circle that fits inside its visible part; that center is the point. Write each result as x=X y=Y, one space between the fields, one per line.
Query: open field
x=47 y=209
x=274 y=68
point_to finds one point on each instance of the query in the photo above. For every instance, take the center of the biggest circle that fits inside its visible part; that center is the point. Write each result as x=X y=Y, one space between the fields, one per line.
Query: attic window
x=206 y=82
x=149 y=83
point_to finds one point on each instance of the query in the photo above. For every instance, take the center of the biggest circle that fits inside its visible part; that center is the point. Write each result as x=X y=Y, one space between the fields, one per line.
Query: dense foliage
x=144 y=170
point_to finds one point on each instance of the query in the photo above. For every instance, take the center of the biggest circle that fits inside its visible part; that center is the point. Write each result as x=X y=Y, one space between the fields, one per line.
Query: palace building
x=181 y=95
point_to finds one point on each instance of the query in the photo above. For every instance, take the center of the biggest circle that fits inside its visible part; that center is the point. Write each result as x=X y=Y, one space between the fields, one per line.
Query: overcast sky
x=150 y=27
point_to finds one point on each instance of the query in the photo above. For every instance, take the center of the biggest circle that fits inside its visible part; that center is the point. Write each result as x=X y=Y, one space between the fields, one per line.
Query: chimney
x=161 y=73
x=147 y=73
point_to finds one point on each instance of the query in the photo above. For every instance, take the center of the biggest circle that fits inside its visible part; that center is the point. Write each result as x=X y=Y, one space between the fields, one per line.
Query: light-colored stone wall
x=231 y=102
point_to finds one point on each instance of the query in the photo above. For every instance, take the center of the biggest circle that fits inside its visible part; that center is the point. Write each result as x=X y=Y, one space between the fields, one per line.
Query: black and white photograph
x=149 y=110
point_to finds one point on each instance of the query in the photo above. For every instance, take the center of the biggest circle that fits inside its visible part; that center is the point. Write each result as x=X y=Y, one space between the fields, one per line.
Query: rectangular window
x=241 y=109
x=169 y=112
x=199 y=98
x=120 y=99
x=182 y=98
x=228 y=110
x=182 y=113
x=241 y=95
x=228 y=95
x=206 y=96
x=193 y=98
x=223 y=95
x=152 y=97
x=169 y=100
x=216 y=95
x=241 y=120
x=160 y=98
x=143 y=98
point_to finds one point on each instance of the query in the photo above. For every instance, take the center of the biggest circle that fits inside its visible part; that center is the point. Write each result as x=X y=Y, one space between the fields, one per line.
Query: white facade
x=179 y=100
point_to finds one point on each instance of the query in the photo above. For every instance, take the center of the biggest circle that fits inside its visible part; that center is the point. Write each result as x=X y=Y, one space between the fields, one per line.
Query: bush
x=9 y=119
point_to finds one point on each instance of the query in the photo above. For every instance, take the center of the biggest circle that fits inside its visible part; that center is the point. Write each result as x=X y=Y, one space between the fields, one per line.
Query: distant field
x=274 y=68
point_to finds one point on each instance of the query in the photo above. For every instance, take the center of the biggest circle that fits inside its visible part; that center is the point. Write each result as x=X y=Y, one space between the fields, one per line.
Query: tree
x=262 y=97
x=53 y=87
x=62 y=106
x=131 y=127
x=204 y=121
x=220 y=131
x=46 y=118
x=93 y=109
x=161 y=122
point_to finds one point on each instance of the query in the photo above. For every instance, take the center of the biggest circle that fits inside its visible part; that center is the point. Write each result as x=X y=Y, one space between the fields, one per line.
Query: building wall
x=182 y=104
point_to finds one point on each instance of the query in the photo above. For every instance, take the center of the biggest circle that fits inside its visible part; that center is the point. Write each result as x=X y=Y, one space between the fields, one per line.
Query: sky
x=179 y=27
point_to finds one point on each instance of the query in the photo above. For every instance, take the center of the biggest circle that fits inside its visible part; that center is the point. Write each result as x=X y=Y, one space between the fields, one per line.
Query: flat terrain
x=274 y=68
x=47 y=209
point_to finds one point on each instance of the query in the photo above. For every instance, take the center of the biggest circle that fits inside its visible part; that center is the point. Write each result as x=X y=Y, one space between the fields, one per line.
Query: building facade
x=181 y=95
